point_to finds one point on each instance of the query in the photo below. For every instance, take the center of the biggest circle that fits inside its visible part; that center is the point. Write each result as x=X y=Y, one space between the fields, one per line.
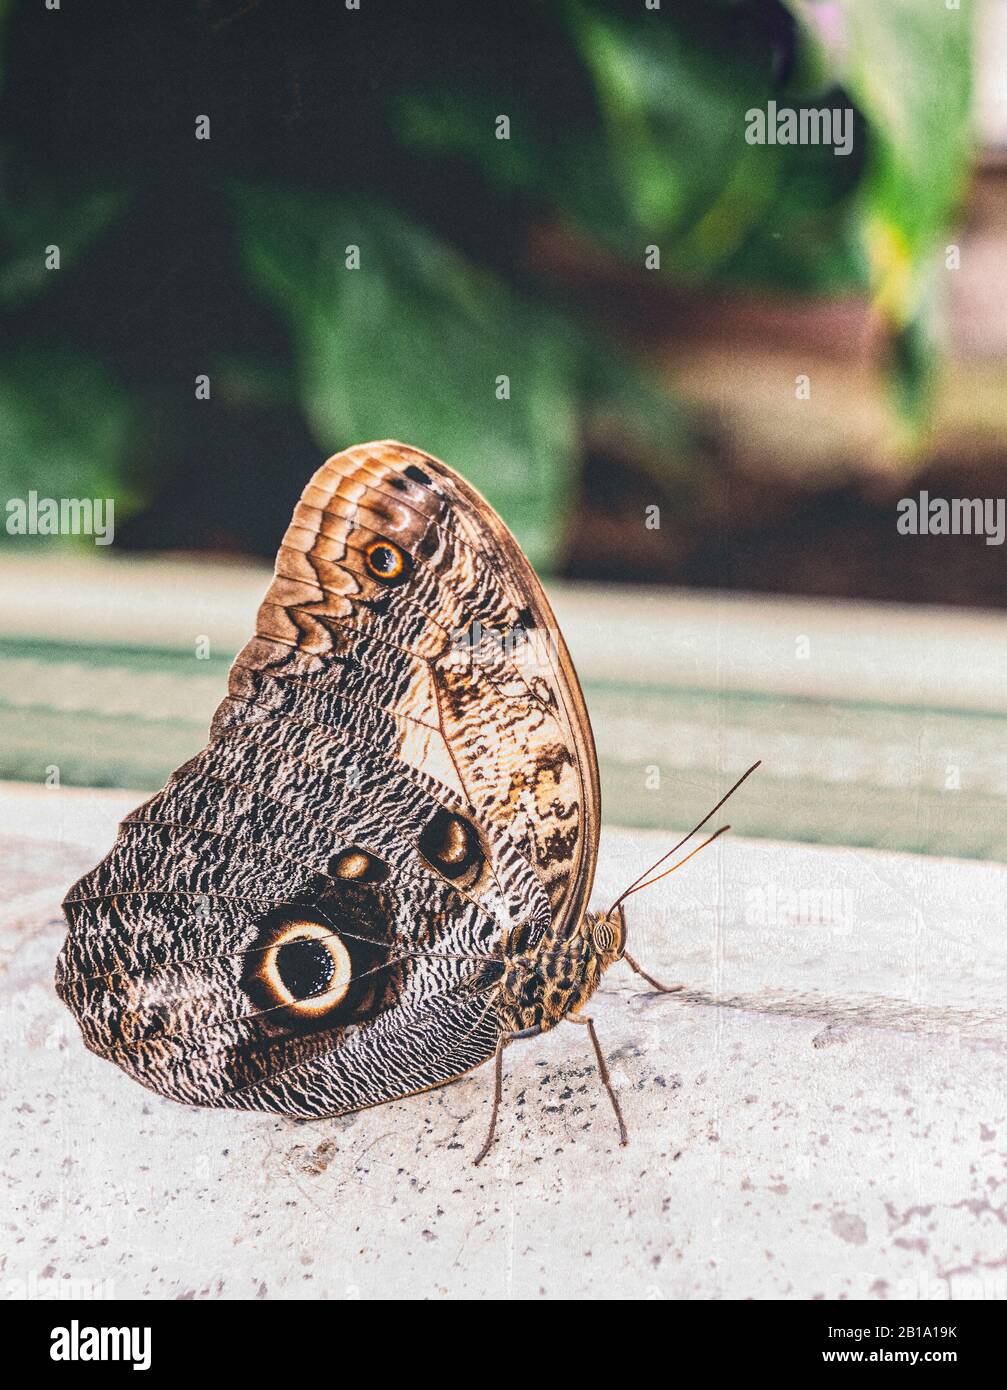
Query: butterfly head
x=607 y=933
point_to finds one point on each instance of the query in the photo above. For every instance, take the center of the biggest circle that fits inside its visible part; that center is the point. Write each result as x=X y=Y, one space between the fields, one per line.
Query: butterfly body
x=541 y=988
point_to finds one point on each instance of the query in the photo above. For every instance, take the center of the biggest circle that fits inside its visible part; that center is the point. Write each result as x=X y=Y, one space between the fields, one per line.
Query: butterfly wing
x=400 y=789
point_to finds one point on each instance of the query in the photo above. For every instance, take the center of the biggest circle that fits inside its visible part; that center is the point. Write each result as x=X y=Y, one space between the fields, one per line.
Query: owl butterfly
x=376 y=874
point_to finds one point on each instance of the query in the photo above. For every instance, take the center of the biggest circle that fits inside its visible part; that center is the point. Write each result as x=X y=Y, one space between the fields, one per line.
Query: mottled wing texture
x=400 y=791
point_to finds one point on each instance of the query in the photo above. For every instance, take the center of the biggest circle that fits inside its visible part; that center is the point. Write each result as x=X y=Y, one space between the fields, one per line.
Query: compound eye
x=307 y=967
x=604 y=936
x=608 y=934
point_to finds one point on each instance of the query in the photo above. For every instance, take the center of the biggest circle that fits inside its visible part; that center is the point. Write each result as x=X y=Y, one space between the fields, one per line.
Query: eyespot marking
x=386 y=562
x=450 y=844
x=357 y=866
x=417 y=474
x=306 y=967
x=317 y=967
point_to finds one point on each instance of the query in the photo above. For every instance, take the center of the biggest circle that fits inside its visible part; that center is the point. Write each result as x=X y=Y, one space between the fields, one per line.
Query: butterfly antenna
x=692 y=853
x=638 y=882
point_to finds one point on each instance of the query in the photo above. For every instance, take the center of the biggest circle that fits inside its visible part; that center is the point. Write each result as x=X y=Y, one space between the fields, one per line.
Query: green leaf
x=907 y=65
x=413 y=344
x=672 y=111
x=657 y=154
x=63 y=429
x=662 y=155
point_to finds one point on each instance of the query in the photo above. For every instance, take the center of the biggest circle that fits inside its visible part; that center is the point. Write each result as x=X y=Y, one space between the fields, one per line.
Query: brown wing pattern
x=492 y=708
x=310 y=917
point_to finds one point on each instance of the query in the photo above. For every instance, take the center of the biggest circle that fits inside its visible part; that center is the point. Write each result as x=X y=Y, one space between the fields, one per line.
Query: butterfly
x=375 y=877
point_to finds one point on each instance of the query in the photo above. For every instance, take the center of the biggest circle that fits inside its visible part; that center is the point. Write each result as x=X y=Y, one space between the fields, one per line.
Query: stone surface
x=822 y=1114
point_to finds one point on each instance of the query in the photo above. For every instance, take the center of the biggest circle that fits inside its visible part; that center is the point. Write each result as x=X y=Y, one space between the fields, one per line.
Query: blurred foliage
x=63 y=423
x=441 y=331
x=378 y=128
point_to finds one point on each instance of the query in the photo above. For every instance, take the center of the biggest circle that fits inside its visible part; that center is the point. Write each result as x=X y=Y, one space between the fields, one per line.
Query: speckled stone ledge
x=821 y=1114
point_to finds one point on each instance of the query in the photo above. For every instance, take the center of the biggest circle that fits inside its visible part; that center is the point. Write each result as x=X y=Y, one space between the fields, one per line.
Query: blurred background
x=725 y=363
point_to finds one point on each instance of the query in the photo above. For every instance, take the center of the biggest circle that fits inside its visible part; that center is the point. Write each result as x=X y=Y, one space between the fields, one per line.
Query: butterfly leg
x=603 y=1073
x=663 y=989
x=502 y=1042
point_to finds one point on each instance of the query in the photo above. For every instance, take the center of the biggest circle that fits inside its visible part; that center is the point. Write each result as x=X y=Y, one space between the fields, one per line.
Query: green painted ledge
x=878 y=726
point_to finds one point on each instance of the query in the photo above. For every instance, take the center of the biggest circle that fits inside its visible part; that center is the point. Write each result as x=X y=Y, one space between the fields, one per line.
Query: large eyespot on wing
x=386 y=562
x=452 y=846
x=307 y=970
